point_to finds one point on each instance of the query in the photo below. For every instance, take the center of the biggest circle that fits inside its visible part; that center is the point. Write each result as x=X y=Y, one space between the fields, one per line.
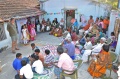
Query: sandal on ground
x=17 y=49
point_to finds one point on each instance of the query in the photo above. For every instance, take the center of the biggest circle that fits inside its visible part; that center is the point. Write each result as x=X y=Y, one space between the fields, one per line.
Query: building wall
x=113 y=17
x=6 y=42
x=83 y=7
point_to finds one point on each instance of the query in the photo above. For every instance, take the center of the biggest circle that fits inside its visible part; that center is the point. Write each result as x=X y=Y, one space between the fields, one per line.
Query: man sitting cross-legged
x=37 y=66
x=25 y=71
x=48 y=59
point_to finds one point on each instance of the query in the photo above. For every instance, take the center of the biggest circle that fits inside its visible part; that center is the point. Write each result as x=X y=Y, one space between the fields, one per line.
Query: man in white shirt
x=87 y=46
x=37 y=66
x=25 y=71
x=96 y=49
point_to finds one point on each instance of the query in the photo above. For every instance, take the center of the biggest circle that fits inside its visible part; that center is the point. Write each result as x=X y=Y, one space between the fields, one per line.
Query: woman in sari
x=58 y=32
x=100 y=63
x=89 y=22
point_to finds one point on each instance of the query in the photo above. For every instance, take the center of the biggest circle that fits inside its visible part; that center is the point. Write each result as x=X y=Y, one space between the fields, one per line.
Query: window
x=2 y=32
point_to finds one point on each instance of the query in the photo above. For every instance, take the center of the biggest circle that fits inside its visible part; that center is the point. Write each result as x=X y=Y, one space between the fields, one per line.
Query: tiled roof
x=18 y=8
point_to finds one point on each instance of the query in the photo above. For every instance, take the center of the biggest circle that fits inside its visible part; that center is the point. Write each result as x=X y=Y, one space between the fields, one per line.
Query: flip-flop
x=17 y=49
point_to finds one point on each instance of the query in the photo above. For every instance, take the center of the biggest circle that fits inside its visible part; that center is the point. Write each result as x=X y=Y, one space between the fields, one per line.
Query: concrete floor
x=42 y=39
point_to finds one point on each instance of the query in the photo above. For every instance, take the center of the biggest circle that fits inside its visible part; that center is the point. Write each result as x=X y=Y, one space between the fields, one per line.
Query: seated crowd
x=90 y=40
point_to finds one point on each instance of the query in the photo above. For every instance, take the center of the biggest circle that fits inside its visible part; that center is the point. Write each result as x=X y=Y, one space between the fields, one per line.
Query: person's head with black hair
x=19 y=55
x=60 y=50
x=33 y=45
x=37 y=51
x=112 y=34
x=91 y=17
x=47 y=52
x=101 y=19
x=87 y=35
x=105 y=47
x=36 y=57
x=23 y=63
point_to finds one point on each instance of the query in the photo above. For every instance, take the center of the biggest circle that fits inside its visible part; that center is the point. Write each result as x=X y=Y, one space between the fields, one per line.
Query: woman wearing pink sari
x=32 y=32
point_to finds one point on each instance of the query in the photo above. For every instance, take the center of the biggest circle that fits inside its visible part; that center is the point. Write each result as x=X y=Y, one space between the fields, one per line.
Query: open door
x=69 y=15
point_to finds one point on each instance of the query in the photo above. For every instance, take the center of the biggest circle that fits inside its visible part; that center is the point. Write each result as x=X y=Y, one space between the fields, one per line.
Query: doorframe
x=64 y=13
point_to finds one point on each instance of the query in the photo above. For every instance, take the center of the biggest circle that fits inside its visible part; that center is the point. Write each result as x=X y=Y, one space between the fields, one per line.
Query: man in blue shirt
x=17 y=62
x=70 y=48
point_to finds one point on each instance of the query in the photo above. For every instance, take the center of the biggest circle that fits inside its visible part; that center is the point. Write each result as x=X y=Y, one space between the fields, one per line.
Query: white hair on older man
x=103 y=39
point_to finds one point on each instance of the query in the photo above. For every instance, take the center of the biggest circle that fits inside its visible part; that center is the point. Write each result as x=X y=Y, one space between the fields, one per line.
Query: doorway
x=69 y=15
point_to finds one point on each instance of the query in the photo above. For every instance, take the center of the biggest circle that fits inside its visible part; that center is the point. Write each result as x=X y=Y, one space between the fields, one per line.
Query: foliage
x=112 y=3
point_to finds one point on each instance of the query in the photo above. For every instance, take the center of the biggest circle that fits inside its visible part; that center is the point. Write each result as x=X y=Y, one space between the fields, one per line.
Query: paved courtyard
x=42 y=39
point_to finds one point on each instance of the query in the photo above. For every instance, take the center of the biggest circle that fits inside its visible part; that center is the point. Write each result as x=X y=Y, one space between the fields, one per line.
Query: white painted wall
x=19 y=23
x=83 y=7
x=6 y=42
x=112 y=22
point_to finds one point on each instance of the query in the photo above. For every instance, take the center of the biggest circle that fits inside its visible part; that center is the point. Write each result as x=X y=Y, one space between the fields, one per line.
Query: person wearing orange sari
x=100 y=63
x=58 y=32
x=106 y=24
x=89 y=22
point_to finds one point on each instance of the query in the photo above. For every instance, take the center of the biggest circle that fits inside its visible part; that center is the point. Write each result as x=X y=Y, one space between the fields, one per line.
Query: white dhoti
x=86 y=54
x=81 y=32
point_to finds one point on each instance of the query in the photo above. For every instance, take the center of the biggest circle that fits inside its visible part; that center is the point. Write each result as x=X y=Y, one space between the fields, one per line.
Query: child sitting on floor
x=48 y=59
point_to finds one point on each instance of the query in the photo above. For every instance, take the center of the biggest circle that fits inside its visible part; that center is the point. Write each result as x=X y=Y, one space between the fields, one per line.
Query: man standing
x=11 y=27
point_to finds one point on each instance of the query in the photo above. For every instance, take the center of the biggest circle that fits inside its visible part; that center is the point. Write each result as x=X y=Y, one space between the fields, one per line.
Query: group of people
x=28 y=33
x=36 y=62
x=57 y=28
x=90 y=40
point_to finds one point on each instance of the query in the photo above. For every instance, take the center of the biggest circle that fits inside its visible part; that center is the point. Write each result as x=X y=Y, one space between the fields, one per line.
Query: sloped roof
x=18 y=8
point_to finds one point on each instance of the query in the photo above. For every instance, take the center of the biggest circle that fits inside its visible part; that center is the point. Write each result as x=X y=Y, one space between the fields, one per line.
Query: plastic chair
x=109 y=41
x=104 y=35
x=74 y=75
x=114 y=58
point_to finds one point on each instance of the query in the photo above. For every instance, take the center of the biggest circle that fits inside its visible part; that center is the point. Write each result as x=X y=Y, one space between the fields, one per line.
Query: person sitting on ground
x=33 y=46
x=41 y=57
x=97 y=21
x=89 y=22
x=58 y=32
x=66 y=35
x=64 y=63
x=37 y=66
x=48 y=23
x=95 y=50
x=74 y=36
x=48 y=59
x=31 y=57
x=25 y=71
x=70 y=48
x=17 y=62
x=100 y=63
x=82 y=40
